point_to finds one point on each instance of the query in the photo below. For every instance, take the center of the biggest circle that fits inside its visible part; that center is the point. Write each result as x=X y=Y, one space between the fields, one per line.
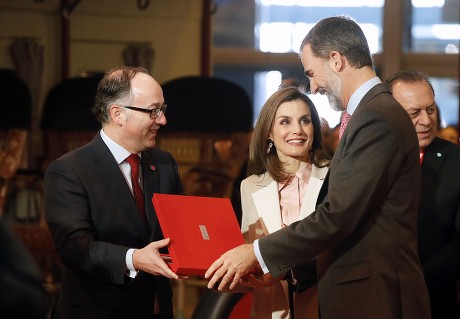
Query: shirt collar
x=118 y=151
x=303 y=174
x=359 y=94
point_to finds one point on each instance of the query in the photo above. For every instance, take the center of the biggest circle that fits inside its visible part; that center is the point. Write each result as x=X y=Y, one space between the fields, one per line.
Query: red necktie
x=343 y=123
x=133 y=161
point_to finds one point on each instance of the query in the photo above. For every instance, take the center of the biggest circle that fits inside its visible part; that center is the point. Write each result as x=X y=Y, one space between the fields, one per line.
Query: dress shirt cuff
x=259 y=257
x=132 y=272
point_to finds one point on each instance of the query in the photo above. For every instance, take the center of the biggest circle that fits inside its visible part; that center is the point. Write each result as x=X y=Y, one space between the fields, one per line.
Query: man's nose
x=313 y=87
x=424 y=118
x=161 y=119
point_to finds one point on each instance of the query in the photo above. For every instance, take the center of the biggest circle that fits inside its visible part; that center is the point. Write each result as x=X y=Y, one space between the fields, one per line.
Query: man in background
x=439 y=215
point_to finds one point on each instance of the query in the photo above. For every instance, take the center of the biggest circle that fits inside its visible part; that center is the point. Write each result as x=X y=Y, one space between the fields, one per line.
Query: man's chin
x=423 y=143
x=335 y=104
x=151 y=143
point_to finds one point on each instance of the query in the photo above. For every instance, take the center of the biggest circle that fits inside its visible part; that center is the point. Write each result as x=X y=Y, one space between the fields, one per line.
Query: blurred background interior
x=217 y=60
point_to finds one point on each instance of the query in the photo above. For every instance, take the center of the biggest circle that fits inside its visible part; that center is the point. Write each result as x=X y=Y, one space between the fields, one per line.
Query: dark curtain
x=27 y=55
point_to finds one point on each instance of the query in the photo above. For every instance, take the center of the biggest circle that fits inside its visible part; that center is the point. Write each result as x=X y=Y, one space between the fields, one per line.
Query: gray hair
x=114 y=88
x=340 y=34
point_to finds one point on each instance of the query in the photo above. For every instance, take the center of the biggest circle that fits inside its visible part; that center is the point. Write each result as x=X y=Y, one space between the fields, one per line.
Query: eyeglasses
x=154 y=113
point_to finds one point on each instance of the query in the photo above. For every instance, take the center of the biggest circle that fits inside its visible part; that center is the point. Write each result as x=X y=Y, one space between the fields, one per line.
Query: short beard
x=333 y=93
x=335 y=102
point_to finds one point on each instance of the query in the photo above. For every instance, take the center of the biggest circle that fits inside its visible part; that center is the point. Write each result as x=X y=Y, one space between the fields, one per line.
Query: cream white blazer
x=260 y=199
x=262 y=216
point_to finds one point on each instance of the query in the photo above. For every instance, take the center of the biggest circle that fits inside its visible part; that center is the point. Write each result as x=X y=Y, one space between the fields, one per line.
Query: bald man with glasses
x=99 y=210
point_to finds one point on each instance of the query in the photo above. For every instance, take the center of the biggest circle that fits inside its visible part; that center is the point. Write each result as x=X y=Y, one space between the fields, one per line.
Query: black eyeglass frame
x=154 y=113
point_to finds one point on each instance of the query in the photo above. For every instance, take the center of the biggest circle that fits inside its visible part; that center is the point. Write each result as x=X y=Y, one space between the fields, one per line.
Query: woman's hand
x=257 y=282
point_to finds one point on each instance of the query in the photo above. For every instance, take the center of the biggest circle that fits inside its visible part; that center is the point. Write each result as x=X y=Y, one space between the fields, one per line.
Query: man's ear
x=336 y=61
x=115 y=114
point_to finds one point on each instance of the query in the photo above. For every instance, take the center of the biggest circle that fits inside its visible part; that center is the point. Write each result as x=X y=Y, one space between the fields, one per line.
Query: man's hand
x=148 y=260
x=232 y=266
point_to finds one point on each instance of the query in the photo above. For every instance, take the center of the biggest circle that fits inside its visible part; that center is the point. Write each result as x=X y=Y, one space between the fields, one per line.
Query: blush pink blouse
x=291 y=193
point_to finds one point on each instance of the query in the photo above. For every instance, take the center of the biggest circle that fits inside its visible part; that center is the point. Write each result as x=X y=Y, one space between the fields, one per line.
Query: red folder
x=201 y=230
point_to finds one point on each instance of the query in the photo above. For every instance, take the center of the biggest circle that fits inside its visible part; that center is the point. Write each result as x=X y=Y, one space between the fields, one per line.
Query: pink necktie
x=133 y=160
x=343 y=123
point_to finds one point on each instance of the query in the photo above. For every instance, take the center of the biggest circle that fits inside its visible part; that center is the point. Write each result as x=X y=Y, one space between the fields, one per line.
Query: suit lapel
x=373 y=92
x=107 y=169
x=431 y=165
x=366 y=101
x=311 y=195
x=151 y=183
x=267 y=204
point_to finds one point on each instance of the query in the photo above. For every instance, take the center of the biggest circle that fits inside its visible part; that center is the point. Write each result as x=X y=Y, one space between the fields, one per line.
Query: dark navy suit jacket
x=439 y=226
x=93 y=218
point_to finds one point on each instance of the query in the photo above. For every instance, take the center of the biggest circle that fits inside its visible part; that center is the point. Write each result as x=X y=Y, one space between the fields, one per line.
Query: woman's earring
x=270 y=145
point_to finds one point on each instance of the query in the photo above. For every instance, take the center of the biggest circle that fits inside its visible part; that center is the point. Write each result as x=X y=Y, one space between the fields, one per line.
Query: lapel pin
x=153 y=168
x=438 y=154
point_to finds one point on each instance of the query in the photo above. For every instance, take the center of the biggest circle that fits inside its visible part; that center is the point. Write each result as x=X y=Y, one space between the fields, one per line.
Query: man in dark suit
x=363 y=232
x=439 y=215
x=109 y=240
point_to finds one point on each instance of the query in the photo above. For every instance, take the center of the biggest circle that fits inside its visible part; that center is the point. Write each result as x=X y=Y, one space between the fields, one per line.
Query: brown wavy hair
x=261 y=162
